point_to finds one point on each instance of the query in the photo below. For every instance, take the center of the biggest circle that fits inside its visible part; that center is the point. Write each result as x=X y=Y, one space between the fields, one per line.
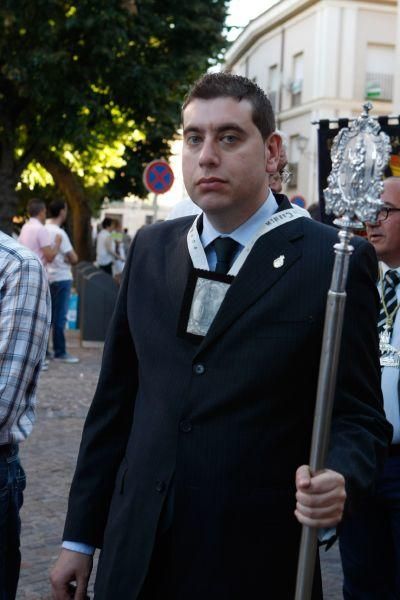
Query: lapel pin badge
x=278 y=262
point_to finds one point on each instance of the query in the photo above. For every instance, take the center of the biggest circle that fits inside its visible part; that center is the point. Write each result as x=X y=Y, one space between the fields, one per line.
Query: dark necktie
x=390 y=281
x=225 y=248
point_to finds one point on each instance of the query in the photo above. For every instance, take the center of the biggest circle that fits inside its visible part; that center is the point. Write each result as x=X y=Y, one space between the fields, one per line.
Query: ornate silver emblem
x=359 y=156
x=390 y=356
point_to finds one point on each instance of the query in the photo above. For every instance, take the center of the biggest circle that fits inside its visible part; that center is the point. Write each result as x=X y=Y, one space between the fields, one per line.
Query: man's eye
x=229 y=138
x=193 y=140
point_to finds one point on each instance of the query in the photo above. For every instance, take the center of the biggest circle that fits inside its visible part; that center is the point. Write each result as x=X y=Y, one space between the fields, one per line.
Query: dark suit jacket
x=228 y=420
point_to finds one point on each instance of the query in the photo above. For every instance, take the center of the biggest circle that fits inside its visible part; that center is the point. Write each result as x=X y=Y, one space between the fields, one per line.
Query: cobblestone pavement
x=48 y=457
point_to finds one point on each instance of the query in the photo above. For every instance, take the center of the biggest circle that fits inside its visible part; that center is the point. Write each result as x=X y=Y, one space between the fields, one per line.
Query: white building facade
x=320 y=59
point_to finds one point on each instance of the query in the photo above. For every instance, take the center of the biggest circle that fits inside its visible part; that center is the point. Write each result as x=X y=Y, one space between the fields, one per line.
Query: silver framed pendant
x=208 y=296
x=204 y=294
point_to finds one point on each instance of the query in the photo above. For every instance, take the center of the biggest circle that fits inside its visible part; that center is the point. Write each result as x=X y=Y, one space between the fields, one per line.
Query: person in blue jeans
x=25 y=310
x=60 y=279
x=12 y=485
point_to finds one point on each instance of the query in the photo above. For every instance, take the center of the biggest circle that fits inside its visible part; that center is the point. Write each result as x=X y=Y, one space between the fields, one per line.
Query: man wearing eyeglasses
x=370 y=538
x=283 y=175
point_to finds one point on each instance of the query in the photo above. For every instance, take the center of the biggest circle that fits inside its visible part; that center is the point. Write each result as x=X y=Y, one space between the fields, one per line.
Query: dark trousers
x=60 y=292
x=12 y=484
x=106 y=268
x=162 y=582
x=370 y=542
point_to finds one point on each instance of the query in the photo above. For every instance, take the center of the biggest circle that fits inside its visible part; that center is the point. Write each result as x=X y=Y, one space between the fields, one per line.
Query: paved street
x=49 y=457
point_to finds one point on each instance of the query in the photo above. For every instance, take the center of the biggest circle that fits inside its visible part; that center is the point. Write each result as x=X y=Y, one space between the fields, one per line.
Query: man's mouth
x=374 y=236
x=207 y=180
x=210 y=183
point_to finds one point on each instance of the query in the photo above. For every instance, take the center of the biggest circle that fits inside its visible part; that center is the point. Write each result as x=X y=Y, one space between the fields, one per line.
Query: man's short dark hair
x=217 y=85
x=55 y=207
x=106 y=222
x=35 y=207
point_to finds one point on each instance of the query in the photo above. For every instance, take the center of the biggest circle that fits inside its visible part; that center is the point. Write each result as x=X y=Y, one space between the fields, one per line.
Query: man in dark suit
x=192 y=473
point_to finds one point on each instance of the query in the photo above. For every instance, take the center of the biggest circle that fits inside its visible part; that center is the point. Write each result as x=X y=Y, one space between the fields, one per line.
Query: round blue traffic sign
x=158 y=177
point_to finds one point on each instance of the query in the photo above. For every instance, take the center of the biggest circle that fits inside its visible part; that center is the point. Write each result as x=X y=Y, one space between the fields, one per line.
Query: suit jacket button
x=160 y=486
x=199 y=369
x=185 y=426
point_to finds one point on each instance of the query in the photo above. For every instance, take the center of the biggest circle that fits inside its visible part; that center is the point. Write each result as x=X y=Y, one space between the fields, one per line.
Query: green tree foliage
x=81 y=80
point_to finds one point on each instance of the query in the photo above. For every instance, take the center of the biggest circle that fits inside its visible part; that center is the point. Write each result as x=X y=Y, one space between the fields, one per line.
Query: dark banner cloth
x=326 y=133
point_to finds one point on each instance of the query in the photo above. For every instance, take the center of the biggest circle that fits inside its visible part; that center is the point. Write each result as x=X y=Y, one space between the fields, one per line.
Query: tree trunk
x=70 y=186
x=8 y=196
x=8 y=202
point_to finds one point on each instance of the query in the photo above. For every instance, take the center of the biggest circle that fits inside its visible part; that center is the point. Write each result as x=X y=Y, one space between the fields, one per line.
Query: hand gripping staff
x=359 y=156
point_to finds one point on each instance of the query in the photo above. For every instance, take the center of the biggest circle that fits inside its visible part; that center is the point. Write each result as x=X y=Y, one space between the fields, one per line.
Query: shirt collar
x=244 y=233
x=385 y=268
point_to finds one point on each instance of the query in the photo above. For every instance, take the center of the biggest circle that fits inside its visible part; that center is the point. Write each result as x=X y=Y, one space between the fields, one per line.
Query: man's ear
x=273 y=145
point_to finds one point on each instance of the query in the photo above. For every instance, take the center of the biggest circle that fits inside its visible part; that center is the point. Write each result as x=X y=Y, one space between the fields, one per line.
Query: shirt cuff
x=79 y=547
x=327 y=535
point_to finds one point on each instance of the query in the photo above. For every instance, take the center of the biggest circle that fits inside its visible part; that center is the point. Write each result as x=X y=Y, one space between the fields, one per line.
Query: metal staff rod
x=359 y=155
x=324 y=404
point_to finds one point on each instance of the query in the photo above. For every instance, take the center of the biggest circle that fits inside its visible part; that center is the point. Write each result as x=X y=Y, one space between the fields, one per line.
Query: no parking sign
x=158 y=177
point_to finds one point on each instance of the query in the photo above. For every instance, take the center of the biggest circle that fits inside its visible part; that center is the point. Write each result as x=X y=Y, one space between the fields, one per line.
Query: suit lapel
x=257 y=275
x=177 y=268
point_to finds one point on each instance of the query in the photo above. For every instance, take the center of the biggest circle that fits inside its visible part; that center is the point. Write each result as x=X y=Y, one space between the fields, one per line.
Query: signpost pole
x=155 y=207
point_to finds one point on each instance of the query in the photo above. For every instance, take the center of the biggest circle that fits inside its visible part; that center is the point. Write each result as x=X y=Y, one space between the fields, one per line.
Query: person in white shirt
x=34 y=235
x=118 y=247
x=60 y=279
x=105 y=253
x=370 y=537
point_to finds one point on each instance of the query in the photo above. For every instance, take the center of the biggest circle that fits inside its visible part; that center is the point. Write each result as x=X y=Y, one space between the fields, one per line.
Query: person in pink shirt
x=35 y=236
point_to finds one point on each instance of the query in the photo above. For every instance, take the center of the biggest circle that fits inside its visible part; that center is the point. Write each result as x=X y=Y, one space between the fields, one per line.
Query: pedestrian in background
x=60 y=278
x=105 y=253
x=24 y=323
x=126 y=241
x=34 y=234
x=118 y=241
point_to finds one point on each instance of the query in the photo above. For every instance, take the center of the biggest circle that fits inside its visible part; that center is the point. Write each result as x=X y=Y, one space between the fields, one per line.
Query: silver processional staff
x=359 y=155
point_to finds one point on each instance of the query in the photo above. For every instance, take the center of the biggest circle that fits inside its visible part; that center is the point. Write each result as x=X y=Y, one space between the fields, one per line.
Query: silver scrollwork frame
x=359 y=155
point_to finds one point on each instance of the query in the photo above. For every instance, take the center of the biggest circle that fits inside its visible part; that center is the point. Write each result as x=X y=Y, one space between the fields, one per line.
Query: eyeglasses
x=384 y=213
x=284 y=175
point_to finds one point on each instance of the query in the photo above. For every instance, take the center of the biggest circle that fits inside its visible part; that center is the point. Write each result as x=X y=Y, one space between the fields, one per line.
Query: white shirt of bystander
x=60 y=268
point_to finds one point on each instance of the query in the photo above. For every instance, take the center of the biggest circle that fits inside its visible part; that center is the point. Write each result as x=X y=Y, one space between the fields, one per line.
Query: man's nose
x=209 y=155
x=370 y=225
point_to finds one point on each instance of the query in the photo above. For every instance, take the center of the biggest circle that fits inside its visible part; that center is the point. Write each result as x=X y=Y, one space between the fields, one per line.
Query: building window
x=273 y=87
x=380 y=67
x=296 y=84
